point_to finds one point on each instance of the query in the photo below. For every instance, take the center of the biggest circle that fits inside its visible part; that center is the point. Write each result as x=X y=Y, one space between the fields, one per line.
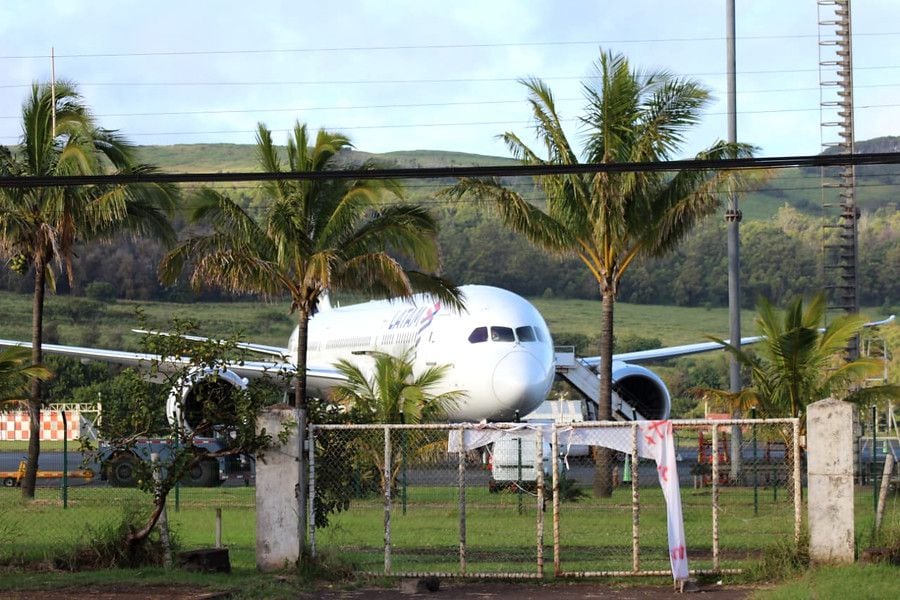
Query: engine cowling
x=204 y=394
x=639 y=392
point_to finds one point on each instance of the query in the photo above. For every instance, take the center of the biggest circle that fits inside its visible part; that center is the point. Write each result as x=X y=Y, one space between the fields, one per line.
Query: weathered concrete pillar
x=829 y=432
x=277 y=542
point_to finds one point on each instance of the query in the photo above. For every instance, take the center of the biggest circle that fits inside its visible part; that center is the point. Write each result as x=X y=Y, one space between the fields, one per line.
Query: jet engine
x=204 y=395
x=639 y=393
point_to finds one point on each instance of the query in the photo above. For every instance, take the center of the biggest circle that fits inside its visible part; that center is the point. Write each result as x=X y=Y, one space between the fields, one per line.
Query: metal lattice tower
x=841 y=214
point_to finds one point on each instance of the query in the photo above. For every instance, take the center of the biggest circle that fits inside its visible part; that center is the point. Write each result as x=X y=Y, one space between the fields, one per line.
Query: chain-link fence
x=77 y=503
x=395 y=499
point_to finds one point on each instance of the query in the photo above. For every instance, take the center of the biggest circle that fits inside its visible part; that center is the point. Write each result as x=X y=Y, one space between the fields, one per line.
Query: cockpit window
x=502 y=334
x=525 y=334
x=478 y=335
x=540 y=334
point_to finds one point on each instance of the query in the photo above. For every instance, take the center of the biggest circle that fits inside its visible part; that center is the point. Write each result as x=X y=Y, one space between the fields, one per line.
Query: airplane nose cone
x=520 y=382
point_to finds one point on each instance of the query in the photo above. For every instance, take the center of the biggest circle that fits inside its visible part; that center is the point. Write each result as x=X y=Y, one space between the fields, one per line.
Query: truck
x=511 y=462
x=120 y=464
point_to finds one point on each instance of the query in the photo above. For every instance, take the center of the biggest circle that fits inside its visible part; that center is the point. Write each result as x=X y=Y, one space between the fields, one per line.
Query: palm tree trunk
x=604 y=456
x=300 y=403
x=34 y=401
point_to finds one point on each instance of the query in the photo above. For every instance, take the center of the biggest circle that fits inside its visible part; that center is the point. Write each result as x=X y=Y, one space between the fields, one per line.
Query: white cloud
x=339 y=57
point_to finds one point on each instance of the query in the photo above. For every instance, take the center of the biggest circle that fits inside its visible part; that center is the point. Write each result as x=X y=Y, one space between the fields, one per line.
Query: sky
x=422 y=74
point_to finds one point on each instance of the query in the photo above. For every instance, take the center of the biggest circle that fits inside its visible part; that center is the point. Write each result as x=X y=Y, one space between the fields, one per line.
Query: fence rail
x=413 y=507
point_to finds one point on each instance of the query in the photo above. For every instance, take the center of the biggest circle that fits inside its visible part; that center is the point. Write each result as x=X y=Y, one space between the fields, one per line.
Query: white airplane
x=499 y=351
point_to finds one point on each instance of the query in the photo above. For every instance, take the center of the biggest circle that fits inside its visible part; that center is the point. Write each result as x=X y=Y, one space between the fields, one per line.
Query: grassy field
x=595 y=535
x=425 y=536
x=77 y=319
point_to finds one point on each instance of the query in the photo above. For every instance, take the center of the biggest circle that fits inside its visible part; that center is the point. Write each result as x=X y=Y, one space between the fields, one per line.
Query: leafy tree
x=313 y=235
x=797 y=363
x=131 y=405
x=610 y=219
x=40 y=226
x=217 y=410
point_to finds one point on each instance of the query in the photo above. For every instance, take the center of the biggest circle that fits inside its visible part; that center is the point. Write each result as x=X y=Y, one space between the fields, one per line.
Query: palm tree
x=313 y=235
x=610 y=219
x=40 y=226
x=393 y=393
x=797 y=363
x=390 y=392
x=16 y=372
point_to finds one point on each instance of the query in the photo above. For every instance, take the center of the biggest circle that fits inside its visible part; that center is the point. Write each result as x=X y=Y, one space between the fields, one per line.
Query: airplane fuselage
x=498 y=350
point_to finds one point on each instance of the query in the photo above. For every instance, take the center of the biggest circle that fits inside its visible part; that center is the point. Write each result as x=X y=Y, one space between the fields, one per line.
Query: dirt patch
x=407 y=589
x=117 y=592
x=533 y=591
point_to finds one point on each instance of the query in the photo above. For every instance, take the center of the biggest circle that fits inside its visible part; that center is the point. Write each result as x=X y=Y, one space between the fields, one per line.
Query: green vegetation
x=476 y=248
x=851 y=581
x=611 y=220
x=40 y=227
x=16 y=373
x=110 y=324
x=798 y=363
x=499 y=539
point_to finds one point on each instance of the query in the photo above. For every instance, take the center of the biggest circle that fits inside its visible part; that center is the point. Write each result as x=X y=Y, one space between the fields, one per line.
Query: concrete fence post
x=277 y=484
x=829 y=434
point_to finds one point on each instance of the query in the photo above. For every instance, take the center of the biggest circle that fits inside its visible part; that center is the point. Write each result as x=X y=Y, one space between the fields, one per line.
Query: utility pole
x=733 y=219
x=53 y=92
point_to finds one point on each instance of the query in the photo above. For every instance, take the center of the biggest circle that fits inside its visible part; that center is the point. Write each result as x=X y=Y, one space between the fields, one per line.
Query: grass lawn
x=79 y=320
x=595 y=535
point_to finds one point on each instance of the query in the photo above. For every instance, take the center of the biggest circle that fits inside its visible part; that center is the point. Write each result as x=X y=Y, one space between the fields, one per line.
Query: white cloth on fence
x=480 y=435
x=655 y=440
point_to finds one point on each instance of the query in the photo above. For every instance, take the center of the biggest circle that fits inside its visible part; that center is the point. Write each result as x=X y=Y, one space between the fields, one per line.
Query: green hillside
x=798 y=188
x=234 y=158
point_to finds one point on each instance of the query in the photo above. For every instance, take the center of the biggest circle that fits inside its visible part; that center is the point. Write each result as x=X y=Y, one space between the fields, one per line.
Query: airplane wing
x=660 y=354
x=276 y=351
x=670 y=352
x=318 y=376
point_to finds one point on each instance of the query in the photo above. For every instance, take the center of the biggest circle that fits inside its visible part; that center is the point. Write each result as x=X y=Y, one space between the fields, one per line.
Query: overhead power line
x=386 y=47
x=317 y=82
x=776 y=162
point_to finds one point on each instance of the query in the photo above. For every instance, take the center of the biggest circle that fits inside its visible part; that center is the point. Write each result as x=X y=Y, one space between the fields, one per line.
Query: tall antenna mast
x=841 y=227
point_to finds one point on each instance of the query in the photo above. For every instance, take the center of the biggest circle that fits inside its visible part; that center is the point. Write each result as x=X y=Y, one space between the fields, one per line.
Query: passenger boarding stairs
x=583 y=378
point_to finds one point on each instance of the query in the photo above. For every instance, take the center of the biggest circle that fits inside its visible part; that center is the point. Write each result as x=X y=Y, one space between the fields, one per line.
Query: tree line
x=781 y=258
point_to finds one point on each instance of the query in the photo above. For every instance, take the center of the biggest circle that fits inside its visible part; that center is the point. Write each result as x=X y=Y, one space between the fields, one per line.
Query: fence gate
x=504 y=499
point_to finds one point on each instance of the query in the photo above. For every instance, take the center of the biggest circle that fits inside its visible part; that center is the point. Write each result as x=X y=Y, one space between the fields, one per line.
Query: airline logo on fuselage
x=419 y=317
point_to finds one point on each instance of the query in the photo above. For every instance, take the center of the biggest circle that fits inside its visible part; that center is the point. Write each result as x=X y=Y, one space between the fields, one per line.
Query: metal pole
x=733 y=218
x=218 y=528
x=311 y=501
x=53 y=91
x=874 y=458
x=461 y=472
x=519 y=471
x=539 y=471
x=882 y=495
x=798 y=483
x=755 y=467
x=403 y=489
x=387 y=500
x=554 y=449
x=635 y=502
x=65 y=477
x=177 y=441
x=715 y=495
